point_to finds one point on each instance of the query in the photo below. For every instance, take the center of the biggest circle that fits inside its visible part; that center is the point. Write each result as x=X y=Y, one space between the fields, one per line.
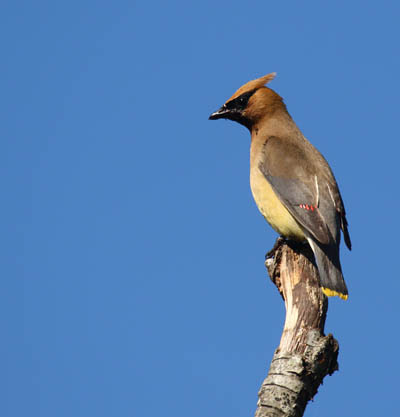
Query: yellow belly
x=271 y=208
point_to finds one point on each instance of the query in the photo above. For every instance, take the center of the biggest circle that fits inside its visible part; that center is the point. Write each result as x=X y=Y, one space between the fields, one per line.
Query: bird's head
x=251 y=103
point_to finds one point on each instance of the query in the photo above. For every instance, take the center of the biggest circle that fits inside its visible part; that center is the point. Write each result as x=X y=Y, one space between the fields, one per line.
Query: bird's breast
x=270 y=206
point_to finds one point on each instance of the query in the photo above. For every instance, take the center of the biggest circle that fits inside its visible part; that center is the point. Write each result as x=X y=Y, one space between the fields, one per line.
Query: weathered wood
x=305 y=355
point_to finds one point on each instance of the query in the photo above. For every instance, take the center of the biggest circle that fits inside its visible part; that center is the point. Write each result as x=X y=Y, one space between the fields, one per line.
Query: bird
x=291 y=182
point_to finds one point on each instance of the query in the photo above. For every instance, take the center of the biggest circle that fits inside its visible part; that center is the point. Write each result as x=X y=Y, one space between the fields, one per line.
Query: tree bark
x=305 y=355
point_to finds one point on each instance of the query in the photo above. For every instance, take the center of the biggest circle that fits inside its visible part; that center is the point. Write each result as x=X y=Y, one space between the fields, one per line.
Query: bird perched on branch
x=291 y=182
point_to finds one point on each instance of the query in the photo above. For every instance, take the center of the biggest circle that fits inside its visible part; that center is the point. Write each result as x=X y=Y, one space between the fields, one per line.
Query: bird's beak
x=220 y=114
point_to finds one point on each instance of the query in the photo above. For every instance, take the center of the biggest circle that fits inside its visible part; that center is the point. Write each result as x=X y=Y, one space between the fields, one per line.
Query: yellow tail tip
x=331 y=293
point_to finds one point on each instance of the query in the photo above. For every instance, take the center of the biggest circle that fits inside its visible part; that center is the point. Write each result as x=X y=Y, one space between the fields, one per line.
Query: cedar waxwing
x=291 y=182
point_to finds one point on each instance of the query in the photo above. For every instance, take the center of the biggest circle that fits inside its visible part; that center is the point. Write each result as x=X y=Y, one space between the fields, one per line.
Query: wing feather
x=294 y=179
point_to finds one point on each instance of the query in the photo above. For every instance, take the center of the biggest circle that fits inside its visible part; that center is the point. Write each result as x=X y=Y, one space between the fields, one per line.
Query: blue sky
x=132 y=252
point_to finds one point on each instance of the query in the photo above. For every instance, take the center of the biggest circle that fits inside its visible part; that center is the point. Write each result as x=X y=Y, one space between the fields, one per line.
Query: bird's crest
x=254 y=84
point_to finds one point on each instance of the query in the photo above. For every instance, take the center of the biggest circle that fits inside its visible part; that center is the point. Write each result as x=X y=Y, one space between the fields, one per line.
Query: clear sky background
x=133 y=279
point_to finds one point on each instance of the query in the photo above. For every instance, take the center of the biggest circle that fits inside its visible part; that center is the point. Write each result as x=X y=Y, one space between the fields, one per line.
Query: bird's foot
x=279 y=242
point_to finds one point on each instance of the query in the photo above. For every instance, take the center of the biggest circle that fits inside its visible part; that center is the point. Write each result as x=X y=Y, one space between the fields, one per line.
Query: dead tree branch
x=305 y=355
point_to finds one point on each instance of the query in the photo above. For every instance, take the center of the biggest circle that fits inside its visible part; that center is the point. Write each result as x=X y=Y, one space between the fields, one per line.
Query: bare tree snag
x=305 y=355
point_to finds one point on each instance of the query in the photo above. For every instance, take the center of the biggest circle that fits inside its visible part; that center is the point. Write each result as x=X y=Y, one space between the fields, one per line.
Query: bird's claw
x=270 y=254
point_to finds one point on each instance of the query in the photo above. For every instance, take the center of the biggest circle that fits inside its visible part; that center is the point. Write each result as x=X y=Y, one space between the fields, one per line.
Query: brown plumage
x=291 y=182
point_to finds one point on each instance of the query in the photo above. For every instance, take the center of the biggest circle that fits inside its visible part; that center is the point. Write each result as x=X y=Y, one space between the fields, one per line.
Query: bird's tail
x=330 y=271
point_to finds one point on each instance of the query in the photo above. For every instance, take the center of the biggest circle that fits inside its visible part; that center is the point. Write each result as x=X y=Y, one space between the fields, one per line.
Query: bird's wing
x=293 y=177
